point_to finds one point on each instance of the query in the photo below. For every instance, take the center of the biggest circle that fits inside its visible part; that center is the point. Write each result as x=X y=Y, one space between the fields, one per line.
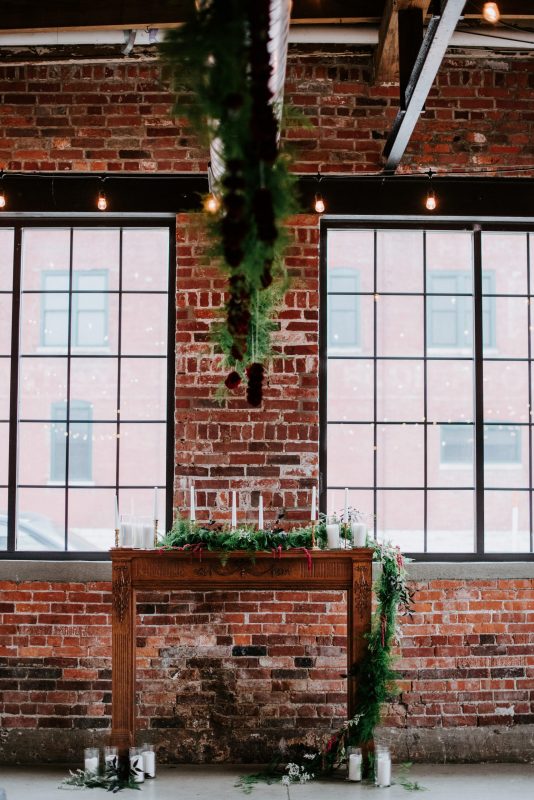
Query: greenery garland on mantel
x=220 y=65
x=374 y=675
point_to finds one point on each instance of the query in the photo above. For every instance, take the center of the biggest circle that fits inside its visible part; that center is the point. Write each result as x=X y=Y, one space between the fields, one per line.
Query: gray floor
x=454 y=782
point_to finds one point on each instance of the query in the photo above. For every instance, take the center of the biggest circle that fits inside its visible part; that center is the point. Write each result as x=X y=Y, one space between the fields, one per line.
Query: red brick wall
x=115 y=117
x=230 y=675
x=465 y=653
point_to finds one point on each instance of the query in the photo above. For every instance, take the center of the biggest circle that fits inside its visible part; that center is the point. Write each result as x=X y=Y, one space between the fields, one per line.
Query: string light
x=319 y=203
x=102 y=202
x=491 y=13
x=2 y=193
x=430 y=200
x=211 y=202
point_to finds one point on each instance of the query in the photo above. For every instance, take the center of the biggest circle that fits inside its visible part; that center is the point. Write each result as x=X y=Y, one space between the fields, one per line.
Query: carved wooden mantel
x=141 y=570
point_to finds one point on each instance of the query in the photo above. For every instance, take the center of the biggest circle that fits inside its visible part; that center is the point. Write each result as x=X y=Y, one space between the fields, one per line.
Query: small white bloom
x=293 y=770
x=286 y=780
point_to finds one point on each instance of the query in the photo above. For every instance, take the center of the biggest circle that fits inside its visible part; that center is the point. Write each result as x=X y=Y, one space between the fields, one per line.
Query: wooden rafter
x=387 y=52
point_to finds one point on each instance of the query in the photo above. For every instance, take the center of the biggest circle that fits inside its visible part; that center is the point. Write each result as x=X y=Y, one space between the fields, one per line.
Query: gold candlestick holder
x=117 y=537
x=155 y=533
x=315 y=546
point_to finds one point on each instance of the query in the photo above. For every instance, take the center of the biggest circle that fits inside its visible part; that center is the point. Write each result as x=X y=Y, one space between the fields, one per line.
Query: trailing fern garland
x=220 y=65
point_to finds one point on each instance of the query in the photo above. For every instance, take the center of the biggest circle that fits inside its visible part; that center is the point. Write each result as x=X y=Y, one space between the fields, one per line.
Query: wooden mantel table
x=141 y=570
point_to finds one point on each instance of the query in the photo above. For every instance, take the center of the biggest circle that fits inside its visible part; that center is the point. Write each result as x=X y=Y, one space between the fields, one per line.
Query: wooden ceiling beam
x=386 y=64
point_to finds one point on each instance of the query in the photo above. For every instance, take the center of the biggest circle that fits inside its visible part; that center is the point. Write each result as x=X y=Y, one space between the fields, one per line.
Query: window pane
x=353 y=250
x=144 y=324
x=96 y=249
x=41 y=519
x=451 y=522
x=95 y=381
x=450 y=455
x=42 y=382
x=95 y=322
x=41 y=453
x=43 y=250
x=400 y=519
x=449 y=250
x=7 y=239
x=400 y=391
x=360 y=500
x=5 y=380
x=449 y=325
x=142 y=454
x=505 y=327
x=144 y=388
x=145 y=259
x=4 y=452
x=350 y=390
x=3 y=519
x=5 y=324
x=91 y=519
x=450 y=391
x=44 y=320
x=399 y=326
x=505 y=391
x=400 y=261
x=506 y=517
x=350 y=327
x=505 y=254
x=506 y=456
x=140 y=502
x=93 y=453
x=350 y=455
x=400 y=453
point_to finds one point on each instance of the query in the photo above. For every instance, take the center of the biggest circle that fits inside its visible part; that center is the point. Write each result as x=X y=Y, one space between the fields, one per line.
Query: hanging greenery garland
x=221 y=69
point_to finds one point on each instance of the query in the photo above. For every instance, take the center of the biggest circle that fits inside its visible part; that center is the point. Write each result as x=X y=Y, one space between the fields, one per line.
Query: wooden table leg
x=123 y=658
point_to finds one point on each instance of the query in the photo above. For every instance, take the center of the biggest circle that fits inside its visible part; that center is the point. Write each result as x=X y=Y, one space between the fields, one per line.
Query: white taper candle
x=192 y=503
x=314 y=504
x=234 y=510
x=260 y=513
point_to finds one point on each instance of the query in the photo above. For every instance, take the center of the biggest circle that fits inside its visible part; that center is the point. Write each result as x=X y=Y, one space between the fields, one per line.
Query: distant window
x=449 y=320
x=80 y=439
x=89 y=309
x=343 y=309
x=502 y=444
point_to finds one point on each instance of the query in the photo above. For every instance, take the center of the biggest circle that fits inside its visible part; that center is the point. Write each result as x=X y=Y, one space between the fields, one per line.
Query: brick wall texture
x=234 y=675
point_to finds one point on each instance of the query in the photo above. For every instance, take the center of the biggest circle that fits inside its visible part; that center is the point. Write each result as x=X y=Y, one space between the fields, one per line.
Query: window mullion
x=14 y=393
x=478 y=343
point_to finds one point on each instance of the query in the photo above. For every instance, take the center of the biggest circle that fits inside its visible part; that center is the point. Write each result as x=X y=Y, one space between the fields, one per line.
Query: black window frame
x=17 y=223
x=418 y=222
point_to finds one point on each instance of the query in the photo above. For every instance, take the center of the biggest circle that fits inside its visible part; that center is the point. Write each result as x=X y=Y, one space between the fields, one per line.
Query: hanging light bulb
x=431 y=201
x=2 y=193
x=102 y=202
x=211 y=203
x=319 y=203
x=491 y=13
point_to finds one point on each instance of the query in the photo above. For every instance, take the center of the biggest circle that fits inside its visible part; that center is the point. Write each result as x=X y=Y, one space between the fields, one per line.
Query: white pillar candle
x=149 y=760
x=234 y=510
x=355 y=767
x=117 y=518
x=314 y=504
x=90 y=760
x=359 y=534
x=192 y=503
x=138 y=534
x=332 y=536
x=260 y=513
x=156 y=503
x=111 y=757
x=383 y=768
x=346 y=509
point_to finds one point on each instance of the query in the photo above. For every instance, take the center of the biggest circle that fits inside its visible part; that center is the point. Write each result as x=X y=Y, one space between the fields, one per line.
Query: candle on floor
x=90 y=760
x=136 y=765
x=314 y=504
x=359 y=534
x=355 y=764
x=111 y=757
x=382 y=766
x=192 y=503
x=260 y=513
x=234 y=510
x=149 y=760
x=332 y=535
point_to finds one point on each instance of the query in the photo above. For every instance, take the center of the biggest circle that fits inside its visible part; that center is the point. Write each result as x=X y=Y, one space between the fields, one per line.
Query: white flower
x=286 y=780
x=310 y=756
x=293 y=770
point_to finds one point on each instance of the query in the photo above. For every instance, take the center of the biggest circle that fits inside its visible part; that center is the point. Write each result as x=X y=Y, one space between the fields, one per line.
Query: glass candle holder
x=111 y=757
x=91 y=760
x=149 y=760
x=382 y=766
x=136 y=765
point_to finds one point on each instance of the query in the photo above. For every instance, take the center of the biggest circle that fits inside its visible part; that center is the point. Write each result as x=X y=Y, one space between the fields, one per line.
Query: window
x=79 y=431
x=427 y=420
x=343 y=305
x=87 y=308
x=502 y=444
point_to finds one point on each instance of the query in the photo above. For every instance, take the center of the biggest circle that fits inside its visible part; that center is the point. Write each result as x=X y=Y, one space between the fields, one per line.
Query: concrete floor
x=442 y=782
